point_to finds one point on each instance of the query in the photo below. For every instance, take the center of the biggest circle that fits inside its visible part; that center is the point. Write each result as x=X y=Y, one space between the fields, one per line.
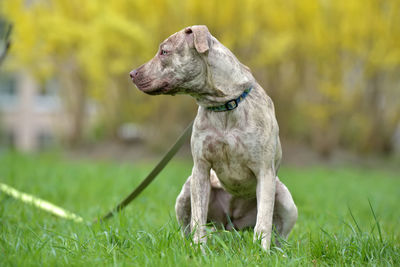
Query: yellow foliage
x=324 y=40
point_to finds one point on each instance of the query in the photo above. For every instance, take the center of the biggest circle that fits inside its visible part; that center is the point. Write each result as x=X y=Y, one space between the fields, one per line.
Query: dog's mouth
x=148 y=88
x=151 y=86
x=163 y=89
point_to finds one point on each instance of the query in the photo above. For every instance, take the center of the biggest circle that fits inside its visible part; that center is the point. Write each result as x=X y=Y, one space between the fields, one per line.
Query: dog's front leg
x=200 y=187
x=265 y=206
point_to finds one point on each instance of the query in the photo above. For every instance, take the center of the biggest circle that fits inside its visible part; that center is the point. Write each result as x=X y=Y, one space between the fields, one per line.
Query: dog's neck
x=226 y=78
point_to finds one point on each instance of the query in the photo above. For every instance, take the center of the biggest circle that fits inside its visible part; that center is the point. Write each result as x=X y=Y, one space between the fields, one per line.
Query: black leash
x=152 y=175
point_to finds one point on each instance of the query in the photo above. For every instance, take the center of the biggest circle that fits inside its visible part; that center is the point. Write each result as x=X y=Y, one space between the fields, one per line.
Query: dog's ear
x=201 y=36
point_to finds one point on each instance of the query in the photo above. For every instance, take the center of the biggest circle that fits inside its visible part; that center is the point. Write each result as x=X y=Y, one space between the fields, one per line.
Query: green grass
x=347 y=216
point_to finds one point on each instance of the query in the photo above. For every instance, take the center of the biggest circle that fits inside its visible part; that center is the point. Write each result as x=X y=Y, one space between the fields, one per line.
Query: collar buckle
x=231 y=104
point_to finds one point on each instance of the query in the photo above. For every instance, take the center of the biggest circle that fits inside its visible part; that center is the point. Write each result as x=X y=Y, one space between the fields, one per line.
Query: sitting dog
x=235 y=144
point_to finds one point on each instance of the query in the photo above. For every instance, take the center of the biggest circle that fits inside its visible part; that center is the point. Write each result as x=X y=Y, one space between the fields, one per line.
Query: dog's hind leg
x=183 y=208
x=285 y=211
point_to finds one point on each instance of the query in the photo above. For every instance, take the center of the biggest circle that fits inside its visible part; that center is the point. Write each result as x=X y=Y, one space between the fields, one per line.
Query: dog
x=235 y=140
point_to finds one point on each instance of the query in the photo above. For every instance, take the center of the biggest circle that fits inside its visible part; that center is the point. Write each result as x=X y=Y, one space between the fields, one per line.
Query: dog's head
x=179 y=65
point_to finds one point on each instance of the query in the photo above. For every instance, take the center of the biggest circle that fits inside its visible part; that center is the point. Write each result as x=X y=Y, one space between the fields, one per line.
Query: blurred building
x=31 y=113
x=33 y=116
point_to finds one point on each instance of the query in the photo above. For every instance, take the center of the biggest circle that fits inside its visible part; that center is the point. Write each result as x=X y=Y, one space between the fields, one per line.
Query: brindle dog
x=237 y=151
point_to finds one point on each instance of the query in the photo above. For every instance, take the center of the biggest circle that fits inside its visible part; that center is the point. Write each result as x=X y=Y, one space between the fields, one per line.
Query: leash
x=151 y=176
x=62 y=213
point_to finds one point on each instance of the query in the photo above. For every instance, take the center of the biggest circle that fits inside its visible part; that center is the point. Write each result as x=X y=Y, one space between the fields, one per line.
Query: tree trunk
x=74 y=94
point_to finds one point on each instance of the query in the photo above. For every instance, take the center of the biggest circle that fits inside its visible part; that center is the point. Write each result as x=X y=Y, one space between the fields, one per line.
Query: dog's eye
x=163 y=52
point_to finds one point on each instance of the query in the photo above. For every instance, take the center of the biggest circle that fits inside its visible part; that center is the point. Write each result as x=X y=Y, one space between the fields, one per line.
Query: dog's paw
x=265 y=239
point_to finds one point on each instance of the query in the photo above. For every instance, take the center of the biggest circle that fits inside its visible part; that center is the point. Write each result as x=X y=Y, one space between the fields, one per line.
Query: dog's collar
x=231 y=104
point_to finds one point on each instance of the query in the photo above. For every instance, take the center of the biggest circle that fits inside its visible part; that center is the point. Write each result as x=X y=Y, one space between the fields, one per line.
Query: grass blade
x=354 y=219
x=376 y=221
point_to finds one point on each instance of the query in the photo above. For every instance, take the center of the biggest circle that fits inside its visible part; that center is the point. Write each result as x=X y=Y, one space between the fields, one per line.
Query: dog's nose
x=133 y=74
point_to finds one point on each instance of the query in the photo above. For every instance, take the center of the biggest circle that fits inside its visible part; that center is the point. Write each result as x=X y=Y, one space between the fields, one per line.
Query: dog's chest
x=229 y=155
x=224 y=146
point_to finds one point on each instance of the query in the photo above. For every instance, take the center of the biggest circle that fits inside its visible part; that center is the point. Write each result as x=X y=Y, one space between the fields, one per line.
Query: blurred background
x=332 y=69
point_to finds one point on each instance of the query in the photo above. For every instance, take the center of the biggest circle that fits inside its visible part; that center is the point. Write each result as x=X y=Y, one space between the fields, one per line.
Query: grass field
x=347 y=216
